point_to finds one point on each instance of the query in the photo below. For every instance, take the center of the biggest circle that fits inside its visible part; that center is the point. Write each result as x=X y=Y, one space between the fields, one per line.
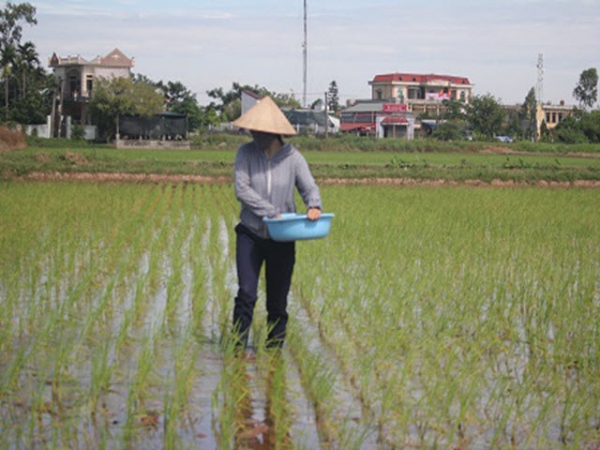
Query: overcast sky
x=209 y=44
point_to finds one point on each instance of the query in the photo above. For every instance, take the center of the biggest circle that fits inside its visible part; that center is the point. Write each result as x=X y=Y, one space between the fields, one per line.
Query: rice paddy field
x=452 y=318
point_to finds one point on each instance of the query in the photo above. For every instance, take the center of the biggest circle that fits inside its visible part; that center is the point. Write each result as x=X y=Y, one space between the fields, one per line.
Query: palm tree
x=27 y=63
x=11 y=30
x=7 y=60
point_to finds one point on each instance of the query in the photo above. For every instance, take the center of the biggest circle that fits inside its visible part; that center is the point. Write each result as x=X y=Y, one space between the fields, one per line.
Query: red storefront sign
x=395 y=107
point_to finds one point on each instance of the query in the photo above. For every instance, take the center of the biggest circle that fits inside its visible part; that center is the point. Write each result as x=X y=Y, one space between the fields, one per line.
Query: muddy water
x=65 y=411
x=200 y=427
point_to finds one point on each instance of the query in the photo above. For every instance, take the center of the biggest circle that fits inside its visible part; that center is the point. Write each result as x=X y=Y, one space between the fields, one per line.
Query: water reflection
x=273 y=430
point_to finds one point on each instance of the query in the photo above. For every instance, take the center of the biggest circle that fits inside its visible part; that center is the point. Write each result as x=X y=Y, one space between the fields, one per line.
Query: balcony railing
x=76 y=97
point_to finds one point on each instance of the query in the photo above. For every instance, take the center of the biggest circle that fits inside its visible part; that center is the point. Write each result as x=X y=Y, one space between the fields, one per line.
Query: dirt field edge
x=179 y=178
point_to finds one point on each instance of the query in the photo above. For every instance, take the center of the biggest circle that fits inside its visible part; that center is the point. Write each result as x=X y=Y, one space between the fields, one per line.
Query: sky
x=212 y=44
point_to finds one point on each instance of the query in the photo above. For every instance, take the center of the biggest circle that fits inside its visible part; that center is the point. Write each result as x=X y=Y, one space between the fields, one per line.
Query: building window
x=553 y=117
x=548 y=117
x=74 y=83
x=414 y=93
x=463 y=95
x=379 y=94
x=89 y=84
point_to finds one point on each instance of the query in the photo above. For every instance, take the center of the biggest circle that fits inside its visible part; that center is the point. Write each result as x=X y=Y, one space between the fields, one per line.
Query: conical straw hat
x=267 y=117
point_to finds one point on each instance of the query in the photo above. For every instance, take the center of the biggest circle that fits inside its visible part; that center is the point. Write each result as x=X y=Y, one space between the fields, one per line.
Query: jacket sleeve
x=244 y=191
x=306 y=185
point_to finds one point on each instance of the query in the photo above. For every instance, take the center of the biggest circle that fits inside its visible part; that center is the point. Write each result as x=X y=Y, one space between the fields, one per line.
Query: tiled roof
x=251 y=94
x=418 y=78
x=363 y=126
x=305 y=117
x=375 y=106
x=116 y=58
x=394 y=120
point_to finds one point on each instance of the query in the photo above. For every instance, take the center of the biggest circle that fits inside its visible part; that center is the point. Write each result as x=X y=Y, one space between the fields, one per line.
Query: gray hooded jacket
x=265 y=188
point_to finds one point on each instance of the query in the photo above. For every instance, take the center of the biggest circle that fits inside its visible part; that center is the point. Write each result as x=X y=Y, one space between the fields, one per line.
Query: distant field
x=324 y=157
x=459 y=166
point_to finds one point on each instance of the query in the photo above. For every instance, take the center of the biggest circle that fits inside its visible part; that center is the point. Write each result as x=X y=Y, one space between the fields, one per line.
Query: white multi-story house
x=76 y=76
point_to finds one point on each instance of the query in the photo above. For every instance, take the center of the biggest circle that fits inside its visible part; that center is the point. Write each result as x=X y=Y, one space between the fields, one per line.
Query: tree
x=122 y=96
x=586 y=91
x=568 y=131
x=514 y=123
x=454 y=109
x=333 y=99
x=230 y=106
x=529 y=116
x=545 y=135
x=10 y=18
x=27 y=65
x=8 y=56
x=209 y=117
x=140 y=78
x=486 y=115
x=590 y=126
x=32 y=108
x=181 y=100
x=11 y=31
x=452 y=130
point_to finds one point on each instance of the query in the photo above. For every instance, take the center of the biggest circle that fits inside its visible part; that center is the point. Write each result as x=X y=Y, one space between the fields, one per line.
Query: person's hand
x=313 y=213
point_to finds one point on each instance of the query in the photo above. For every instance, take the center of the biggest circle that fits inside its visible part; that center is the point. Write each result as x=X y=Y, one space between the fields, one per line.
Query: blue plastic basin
x=297 y=227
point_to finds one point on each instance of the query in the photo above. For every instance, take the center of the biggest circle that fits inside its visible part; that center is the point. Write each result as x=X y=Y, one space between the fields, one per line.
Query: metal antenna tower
x=304 y=56
x=540 y=79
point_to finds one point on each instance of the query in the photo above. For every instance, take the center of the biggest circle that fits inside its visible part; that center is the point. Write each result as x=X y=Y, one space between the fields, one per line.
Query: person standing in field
x=267 y=172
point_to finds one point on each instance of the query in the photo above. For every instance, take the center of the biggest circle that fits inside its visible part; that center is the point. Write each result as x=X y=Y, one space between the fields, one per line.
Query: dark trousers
x=279 y=258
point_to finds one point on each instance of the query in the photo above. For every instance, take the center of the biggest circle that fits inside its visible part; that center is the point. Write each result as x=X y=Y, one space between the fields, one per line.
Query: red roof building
x=381 y=119
x=398 y=98
x=419 y=91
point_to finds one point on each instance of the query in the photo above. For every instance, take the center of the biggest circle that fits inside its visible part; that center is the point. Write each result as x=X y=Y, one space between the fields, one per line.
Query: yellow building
x=552 y=114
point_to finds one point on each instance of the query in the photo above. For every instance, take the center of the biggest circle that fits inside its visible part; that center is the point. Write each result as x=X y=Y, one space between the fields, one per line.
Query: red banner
x=394 y=107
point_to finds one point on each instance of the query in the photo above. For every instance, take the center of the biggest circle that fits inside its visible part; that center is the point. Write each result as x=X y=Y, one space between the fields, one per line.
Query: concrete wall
x=40 y=130
x=45 y=130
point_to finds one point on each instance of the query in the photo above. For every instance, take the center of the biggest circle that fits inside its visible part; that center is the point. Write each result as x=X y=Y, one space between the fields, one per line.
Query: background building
x=77 y=76
x=378 y=118
x=305 y=121
x=398 y=99
x=546 y=113
x=552 y=114
x=421 y=93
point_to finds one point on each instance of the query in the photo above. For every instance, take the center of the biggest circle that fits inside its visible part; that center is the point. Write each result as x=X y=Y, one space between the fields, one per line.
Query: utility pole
x=304 y=56
x=326 y=115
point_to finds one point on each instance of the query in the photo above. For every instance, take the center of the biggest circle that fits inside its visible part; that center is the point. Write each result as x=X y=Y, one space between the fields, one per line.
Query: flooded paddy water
x=451 y=317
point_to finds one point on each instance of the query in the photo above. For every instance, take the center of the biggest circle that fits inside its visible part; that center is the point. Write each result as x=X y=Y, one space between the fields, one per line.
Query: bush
x=450 y=131
x=218 y=140
x=77 y=132
x=571 y=136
